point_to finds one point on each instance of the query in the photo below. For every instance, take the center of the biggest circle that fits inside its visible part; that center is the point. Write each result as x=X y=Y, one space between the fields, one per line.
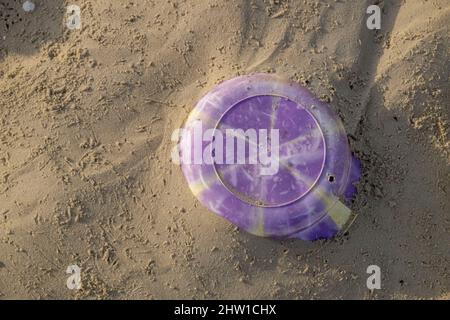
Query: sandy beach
x=87 y=115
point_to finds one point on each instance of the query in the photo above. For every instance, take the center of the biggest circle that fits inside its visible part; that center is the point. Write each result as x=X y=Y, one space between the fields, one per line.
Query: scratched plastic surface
x=306 y=197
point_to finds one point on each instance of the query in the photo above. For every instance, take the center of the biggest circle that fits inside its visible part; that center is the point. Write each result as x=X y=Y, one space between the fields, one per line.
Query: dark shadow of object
x=24 y=33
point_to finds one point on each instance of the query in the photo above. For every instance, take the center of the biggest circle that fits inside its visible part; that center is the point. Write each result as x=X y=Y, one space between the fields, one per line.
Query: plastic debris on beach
x=298 y=187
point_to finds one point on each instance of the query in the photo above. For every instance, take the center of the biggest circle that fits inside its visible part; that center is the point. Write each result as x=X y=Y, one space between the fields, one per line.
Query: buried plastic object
x=297 y=187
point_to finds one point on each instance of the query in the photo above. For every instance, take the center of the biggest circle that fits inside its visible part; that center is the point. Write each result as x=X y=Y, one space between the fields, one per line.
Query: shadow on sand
x=24 y=33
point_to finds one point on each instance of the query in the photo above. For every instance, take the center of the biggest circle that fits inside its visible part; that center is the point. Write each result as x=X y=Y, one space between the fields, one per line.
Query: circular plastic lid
x=298 y=134
x=268 y=156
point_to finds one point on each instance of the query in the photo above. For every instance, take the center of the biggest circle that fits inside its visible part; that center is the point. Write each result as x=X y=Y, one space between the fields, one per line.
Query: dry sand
x=86 y=120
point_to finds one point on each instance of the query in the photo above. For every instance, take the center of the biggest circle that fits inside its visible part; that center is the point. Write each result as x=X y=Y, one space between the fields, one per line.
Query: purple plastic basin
x=271 y=158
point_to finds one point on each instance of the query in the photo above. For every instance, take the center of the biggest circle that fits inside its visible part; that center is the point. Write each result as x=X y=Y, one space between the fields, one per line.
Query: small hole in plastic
x=330 y=178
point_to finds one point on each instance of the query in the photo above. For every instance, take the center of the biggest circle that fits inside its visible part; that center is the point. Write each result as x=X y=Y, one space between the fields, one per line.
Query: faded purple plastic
x=316 y=170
